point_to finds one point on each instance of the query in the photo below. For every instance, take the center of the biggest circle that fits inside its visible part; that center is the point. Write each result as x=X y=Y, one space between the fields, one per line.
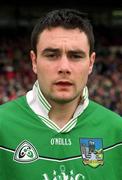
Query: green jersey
x=31 y=150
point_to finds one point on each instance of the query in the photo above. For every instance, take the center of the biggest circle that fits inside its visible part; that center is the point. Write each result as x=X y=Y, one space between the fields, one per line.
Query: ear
x=34 y=61
x=92 y=59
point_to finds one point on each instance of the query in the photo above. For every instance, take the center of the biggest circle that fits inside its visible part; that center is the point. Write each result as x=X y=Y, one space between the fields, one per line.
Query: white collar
x=41 y=107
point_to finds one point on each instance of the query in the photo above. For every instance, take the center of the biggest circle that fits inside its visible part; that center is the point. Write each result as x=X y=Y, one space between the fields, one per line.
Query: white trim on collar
x=41 y=107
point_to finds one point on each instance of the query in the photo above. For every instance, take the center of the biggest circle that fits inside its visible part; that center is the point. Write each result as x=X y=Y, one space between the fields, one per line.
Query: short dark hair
x=66 y=18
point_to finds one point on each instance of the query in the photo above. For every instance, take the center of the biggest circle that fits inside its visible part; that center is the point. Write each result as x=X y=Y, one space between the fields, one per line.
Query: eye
x=75 y=57
x=51 y=55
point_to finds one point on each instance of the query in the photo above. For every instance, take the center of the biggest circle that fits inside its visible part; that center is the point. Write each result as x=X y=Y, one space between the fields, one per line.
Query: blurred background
x=16 y=23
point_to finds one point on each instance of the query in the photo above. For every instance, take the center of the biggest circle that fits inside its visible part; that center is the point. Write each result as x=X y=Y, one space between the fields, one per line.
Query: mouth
x=63 y=84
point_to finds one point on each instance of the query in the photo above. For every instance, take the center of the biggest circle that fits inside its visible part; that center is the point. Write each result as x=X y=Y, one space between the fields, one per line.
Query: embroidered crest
x=92 y=151
x=25 y=153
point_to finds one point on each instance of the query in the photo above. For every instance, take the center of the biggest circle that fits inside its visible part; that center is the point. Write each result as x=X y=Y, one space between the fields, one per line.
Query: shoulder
x=12 y=111
x=12 y=107
x=103 y=112
x=11 y=104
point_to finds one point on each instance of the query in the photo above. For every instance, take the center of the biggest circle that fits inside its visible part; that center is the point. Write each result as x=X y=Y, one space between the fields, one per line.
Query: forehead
x=63 y=37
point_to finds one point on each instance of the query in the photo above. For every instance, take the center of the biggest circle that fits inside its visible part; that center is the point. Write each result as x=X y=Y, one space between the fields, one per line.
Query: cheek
x=82 y=76
x=41 y=73
x=44 y=74
x=83 y=71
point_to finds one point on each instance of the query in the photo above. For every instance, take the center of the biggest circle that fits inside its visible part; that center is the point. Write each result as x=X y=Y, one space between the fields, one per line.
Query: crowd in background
x=16 y=76
x=105 y=83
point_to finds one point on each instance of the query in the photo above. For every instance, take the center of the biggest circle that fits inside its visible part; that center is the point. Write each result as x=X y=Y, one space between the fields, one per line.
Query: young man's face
x=62 y=64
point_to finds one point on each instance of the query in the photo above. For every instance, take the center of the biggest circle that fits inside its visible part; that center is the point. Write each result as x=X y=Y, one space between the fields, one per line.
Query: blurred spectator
x=16 y=76
x=105 y=84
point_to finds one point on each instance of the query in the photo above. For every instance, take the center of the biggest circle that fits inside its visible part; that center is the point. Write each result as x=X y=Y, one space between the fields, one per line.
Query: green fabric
x=30 y=150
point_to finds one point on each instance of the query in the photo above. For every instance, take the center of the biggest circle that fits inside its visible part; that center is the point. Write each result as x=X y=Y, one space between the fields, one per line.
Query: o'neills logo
x=62 y=175
x=25 y=153
x=61 y=141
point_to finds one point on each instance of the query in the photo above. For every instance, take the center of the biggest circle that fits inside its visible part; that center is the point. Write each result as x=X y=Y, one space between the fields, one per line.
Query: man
x=55 y=131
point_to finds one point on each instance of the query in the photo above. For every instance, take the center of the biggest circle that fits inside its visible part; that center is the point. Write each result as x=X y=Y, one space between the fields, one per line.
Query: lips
x=63 y=84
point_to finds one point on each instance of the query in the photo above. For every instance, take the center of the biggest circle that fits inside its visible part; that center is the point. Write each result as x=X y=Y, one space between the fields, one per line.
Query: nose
x=64 y=66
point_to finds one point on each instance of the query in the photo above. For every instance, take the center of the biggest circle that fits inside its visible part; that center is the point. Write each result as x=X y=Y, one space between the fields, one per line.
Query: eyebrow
x=77 y=51
x=56 y=50
x=50 y=50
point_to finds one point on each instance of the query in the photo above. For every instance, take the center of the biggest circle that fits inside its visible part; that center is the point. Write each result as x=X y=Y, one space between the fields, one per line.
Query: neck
x=61 y=114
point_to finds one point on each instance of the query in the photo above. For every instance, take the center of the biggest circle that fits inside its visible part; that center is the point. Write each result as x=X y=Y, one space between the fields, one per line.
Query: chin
x=63 y=99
